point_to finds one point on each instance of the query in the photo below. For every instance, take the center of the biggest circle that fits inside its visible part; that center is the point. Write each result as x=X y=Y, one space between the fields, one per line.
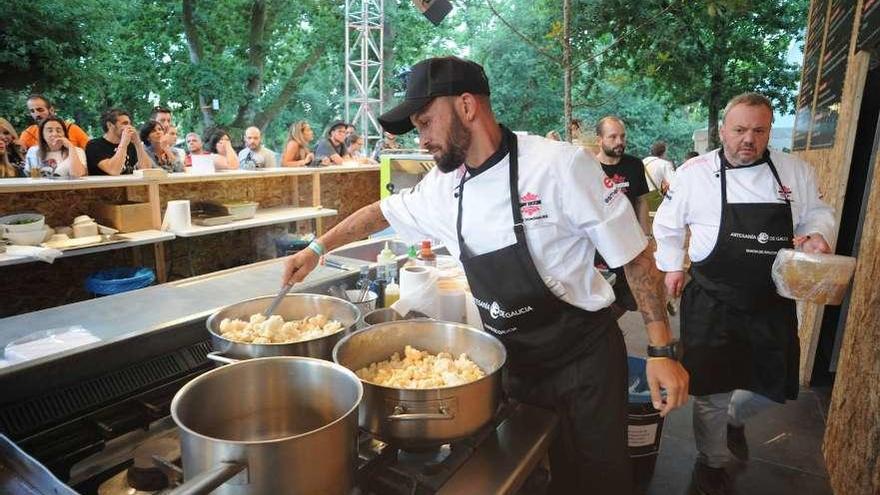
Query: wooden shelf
x=95 y=182
x=134 y=239
x=268 y=216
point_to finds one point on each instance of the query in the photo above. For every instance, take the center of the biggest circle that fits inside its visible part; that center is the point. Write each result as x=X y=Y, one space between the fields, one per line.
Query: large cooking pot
x=269 y=426
x=417 y=419
x=292 y=307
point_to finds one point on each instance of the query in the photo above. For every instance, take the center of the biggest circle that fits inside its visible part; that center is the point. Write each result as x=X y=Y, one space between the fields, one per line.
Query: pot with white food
x=422 y=418
x=314 y=324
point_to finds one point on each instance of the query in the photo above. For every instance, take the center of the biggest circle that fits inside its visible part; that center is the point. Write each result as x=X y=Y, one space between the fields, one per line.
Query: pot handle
x=400 y=414
x=220 y=358
x=204 y=483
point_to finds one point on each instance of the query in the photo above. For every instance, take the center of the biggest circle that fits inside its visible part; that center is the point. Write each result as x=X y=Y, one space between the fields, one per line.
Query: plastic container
x=426 y=255
x=243 y=210
x=386 y=264
x=392 y=294
x=644 y=424
x=118 y=280
x=818 y=278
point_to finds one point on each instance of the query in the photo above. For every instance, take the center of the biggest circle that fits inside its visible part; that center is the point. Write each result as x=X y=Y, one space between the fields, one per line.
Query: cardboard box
x=126 y=216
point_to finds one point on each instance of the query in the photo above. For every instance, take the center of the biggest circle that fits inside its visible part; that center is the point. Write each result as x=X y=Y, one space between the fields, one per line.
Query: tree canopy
x=665 y=66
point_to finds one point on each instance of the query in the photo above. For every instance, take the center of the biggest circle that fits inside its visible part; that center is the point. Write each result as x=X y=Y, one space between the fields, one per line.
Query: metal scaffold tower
x=364 y=20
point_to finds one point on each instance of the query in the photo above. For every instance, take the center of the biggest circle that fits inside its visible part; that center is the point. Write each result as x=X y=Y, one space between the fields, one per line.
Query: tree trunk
x=264 y=118
x=196 y=53
x=716 y=79
x=256 y=63
x=566 y=65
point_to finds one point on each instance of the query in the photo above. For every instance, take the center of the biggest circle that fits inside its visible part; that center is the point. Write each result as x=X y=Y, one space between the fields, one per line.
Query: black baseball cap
x=428 y=79
x=335 y=125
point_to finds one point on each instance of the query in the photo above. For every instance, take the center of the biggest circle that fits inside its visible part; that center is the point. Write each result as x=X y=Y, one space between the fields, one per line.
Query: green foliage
x=88 y=55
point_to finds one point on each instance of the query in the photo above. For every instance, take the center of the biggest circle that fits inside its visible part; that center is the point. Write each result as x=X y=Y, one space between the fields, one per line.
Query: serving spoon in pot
x=275 y=302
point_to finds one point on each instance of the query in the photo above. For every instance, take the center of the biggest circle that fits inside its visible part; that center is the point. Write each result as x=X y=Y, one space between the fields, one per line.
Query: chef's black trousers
x=588 y=455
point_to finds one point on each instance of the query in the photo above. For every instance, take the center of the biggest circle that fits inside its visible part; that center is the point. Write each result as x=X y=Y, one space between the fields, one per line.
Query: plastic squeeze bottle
x=386 y=265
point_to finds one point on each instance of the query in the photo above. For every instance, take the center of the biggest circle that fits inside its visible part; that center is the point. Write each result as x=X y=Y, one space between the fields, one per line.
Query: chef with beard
x=526 y=216
x=741 y=204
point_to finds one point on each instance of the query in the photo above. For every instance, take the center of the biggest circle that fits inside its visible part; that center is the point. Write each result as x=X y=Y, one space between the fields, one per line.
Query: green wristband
x=317 y=248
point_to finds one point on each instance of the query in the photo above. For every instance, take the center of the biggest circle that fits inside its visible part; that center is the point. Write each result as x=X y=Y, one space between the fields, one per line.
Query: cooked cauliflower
x=274 y=330
x=420 y=369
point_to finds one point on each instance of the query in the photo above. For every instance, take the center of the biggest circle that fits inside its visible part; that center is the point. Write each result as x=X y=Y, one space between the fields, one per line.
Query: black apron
x=539 y=330
x=737 y=332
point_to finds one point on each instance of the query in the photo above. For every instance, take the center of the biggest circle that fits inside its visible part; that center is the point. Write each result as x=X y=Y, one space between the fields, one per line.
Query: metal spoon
x=275 y=302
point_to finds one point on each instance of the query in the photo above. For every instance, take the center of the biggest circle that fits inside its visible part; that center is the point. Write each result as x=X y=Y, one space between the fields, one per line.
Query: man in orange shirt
x=40 y=108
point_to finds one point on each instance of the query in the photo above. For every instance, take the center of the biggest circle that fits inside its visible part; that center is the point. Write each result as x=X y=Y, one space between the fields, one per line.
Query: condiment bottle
x=392 y=294
x=426 y=256
x=411 y=256
x=386 y=265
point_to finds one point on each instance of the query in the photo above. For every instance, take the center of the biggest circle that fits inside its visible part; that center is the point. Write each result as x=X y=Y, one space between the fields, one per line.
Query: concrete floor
x=785 y=442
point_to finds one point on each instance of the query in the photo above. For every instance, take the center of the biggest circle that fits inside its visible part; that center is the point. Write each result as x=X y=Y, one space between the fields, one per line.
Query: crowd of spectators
x=53 y=147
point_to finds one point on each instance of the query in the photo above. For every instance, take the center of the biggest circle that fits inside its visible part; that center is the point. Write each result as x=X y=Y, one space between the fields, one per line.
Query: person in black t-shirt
x=626 y=174
x=625 y=171
x=120 y=150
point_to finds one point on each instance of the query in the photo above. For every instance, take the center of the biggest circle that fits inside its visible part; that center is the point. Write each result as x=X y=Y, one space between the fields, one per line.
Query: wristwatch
x=670 y=350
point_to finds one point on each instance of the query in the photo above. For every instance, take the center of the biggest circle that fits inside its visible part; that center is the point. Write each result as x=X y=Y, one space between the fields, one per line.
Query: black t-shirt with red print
x=628 y=176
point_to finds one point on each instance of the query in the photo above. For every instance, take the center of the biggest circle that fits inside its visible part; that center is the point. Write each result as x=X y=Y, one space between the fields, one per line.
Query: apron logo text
x=761 y=238
x=495 y=310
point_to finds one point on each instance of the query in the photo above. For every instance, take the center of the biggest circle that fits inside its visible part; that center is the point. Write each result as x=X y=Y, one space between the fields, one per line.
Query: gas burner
x=154 y=468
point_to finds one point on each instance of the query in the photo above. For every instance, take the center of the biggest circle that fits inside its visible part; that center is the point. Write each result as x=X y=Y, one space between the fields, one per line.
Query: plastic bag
x=47 y=342
x=818 y=278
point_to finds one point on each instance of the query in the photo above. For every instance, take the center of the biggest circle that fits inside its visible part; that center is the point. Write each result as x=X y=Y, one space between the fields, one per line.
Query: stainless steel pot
x=292 y=307
x=416 y=419
x=268 y=426
x=382 y=315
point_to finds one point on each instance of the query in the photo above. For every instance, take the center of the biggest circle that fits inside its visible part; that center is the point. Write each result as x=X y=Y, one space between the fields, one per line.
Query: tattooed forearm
x=355 y=227
x=646 y=283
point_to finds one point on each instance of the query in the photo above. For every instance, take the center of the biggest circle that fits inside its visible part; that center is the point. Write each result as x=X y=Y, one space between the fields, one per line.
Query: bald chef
x=741 y=203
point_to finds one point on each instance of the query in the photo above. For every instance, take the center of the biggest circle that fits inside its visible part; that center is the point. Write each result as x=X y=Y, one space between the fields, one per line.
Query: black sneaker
x=709 y=481
x=736 y=442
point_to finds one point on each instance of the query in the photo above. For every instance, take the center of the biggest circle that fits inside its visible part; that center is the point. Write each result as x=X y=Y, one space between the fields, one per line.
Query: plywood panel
x=832 y=167
x=852 y=435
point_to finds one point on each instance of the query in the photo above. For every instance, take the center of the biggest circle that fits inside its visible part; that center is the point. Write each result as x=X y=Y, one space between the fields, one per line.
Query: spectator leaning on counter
x=254 y=155
x=526 y=216
x=40 y=108
x=120 y=150
x=741 y=203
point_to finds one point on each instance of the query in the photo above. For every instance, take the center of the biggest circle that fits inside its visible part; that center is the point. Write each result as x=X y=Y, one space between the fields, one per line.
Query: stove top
x=497 y=459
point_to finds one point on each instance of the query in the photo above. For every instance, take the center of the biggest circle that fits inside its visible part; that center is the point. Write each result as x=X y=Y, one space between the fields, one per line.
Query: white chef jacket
x=694 y=201
x=569 y=207
x=658 y=170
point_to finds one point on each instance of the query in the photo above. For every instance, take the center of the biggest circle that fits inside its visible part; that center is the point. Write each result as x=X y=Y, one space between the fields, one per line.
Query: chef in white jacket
x=741 y=203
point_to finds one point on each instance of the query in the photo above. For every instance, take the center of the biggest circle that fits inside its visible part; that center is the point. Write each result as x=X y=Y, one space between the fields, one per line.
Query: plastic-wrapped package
x=47 y=342
x=818 y=278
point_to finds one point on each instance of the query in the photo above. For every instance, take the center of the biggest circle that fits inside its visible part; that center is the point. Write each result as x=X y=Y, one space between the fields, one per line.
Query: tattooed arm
x=360 y=224
x=646 y=283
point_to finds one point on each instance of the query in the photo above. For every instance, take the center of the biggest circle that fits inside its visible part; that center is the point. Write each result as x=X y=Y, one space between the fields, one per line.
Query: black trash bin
x=644 y=424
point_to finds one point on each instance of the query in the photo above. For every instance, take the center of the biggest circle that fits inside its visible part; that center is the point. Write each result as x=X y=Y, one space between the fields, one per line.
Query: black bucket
x=644 y=424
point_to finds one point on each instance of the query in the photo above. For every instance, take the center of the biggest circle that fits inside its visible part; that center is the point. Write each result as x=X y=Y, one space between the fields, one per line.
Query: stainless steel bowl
x=292 y=307
x=416 y=419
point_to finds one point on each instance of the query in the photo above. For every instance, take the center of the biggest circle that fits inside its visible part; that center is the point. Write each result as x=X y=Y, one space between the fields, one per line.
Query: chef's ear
x=468 y=106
